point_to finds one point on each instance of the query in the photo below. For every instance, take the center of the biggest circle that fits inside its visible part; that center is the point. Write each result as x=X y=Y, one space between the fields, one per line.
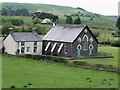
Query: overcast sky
x=104 y=7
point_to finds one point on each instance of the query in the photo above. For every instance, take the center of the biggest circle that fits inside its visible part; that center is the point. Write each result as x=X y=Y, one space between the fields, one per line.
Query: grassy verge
x=19 y=72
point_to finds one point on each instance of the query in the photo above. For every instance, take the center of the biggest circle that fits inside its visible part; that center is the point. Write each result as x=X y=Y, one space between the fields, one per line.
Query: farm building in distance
x=70 y=41
x=23 y=43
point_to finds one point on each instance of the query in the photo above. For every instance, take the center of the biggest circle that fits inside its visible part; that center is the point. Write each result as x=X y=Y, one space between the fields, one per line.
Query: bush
x=105 y=42
x=81 y=63
x=47 y=58
x=12 y=86
x=100 y=67
x=96 y=33
x=14 y=21
x=41 y=30
x=5 y=28
x=115 y=43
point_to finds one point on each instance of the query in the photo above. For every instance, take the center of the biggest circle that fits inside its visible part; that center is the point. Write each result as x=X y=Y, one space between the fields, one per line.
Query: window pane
x=35 y=43
x=28 y=49
x=22 y=50
x=35 y=49
x=22 y=43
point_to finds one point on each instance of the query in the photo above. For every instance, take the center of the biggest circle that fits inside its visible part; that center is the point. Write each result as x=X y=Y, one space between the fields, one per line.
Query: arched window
x=91 y=40
x=79 y=40
x=85 y=42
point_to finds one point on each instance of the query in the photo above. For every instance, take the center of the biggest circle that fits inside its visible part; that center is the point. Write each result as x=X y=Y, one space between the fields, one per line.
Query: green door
x=90 y=51
x=79 y=52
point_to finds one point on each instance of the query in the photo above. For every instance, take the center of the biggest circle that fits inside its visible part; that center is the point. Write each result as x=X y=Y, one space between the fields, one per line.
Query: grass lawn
x=1 y=38
x=19 y=72
x=105 y=61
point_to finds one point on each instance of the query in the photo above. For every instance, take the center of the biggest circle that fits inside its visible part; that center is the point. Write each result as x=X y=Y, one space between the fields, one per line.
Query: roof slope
x=64 y=33
x=25 y=36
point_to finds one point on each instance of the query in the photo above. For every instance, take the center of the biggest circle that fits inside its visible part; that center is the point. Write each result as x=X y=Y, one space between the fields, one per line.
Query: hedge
x=47 y=58
x=82 y=64
x=108 y=68
x=115 y=43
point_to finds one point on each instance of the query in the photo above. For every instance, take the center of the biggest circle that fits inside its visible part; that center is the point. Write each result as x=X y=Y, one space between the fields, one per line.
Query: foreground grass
x=106 y=61
x=19 y=72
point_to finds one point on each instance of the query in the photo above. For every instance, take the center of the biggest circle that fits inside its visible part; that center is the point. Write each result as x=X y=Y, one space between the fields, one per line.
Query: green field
x=26 y=19
x=19 y=72
x=111 y=21
x=105 y=35
x=106 y=61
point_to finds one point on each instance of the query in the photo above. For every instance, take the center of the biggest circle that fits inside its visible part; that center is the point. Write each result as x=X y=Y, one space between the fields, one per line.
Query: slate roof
x=25 y=36
x=64 y=33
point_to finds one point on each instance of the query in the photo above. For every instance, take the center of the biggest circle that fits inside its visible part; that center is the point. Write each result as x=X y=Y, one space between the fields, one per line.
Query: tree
x=91 y=19
x=77 y=21
x=36 y=21
x=69 y=20
x=40 y=30
x=5 y=28
x=96 y=33
x=118 y=23
x=4 y=12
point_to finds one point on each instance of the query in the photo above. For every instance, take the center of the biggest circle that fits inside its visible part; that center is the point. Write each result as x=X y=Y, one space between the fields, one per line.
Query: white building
x=23 y=43
x=47 y=21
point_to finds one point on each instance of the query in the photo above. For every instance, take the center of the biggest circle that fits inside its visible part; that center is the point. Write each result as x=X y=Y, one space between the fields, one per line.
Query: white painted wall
x=10 y=45
x=31 y=45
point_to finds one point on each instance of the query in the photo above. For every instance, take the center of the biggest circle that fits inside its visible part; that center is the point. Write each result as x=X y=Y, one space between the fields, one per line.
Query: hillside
x=44 y=7
x=61 y=10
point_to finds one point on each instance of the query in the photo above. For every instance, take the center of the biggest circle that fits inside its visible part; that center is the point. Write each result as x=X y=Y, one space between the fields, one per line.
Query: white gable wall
x=10 y=45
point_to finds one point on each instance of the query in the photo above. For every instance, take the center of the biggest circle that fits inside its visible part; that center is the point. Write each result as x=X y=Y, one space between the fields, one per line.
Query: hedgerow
x=47 y=58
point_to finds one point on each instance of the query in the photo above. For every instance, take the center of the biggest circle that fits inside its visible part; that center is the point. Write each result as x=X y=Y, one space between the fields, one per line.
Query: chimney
x=10 y=29
x=34 y=30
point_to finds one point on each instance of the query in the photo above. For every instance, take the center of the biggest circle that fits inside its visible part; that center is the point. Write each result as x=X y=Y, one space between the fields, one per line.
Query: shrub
x=96 y=33
x=47 y=58
x=14 y=21
x=29 y=83
x=41 y=30
x=25 y=86
x=105 y=42
x=81 y=63
x=99 y=66
x=12 y=86
x=115 y=43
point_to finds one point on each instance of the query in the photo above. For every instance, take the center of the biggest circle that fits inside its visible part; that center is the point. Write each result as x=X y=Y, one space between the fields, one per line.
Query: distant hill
x=44 y=7
x=81 y=8
x=62 y=10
